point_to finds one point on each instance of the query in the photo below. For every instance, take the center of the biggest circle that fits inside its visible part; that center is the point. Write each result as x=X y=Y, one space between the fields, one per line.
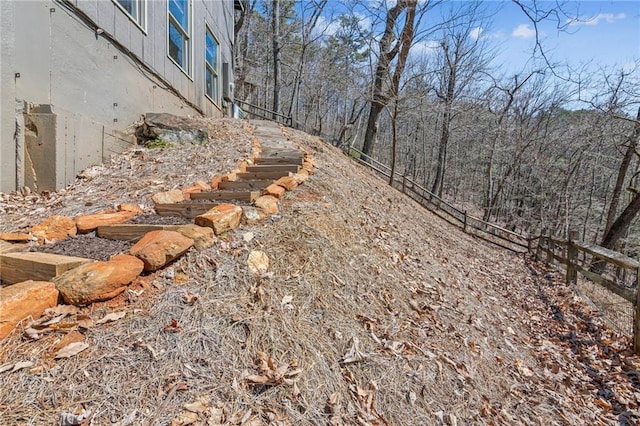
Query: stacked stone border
x=39 y=281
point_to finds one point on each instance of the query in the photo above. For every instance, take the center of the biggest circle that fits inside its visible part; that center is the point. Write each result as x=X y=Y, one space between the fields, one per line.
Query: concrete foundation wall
x=92 y=91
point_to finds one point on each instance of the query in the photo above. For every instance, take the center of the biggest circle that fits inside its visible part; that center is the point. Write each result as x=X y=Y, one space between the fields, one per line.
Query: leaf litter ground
x=373 y=312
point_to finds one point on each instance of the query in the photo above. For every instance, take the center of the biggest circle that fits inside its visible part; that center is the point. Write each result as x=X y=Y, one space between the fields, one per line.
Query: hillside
x=374 y=312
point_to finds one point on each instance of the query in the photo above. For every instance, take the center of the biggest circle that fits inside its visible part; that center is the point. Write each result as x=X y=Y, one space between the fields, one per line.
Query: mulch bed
x=154 y=219
x=88 y=246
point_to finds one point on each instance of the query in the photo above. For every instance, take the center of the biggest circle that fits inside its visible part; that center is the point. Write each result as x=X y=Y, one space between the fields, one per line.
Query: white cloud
x=476 y=33
x=330 y=26
x=609 y=18
x=425 y=47
x=524 y=31
x=327 y=27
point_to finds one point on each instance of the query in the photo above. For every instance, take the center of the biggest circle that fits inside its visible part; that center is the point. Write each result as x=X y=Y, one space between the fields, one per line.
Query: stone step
x=36 y=266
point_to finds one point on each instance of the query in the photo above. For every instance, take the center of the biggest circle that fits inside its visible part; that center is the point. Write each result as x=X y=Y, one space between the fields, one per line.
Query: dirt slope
x=374 y=312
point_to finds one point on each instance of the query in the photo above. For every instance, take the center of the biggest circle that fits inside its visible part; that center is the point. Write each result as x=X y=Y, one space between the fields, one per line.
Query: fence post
x=540 y=240
x=550 y=249
x=464 y=224
x=636 y=315
x=572 y=258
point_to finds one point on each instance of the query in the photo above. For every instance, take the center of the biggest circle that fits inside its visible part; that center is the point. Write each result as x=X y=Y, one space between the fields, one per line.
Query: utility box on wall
x=227 y=85
x=40 y=148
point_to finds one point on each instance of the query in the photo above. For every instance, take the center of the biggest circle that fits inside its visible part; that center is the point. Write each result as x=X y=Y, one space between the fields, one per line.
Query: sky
x=605 y=34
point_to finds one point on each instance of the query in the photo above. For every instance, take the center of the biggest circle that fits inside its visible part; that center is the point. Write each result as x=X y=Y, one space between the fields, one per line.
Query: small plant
x=158 y=143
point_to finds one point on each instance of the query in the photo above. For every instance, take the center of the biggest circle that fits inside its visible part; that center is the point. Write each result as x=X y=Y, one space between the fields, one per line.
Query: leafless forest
x=549 y=148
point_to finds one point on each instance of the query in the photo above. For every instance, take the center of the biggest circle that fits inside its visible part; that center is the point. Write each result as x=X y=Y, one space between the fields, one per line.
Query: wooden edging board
x=188 y=210
x=293 y=168
x=6 y=247
x=261 y=175
x=18 y=267
x=127 y=231
x=279 y=160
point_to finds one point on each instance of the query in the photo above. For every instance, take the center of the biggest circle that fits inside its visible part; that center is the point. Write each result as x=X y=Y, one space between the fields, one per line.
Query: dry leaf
x=523 y=369
x=286 y=300
x=173 y=326
x=72 y=337
x=189 y=298
x=71 y=349
x=258 y=262
x=55 y=320
x=37 y=370
x=185 y=418
x=255 y=378
x=85 y=321
x=21 y=365
x=216 y=416
x=198 y=406
x=61 y=310
x=353 y=354
x=114 y=316
x=32 y=333
x=181 y=278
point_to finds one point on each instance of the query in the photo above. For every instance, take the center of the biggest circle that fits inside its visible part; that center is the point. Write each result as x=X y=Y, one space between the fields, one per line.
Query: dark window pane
x=176 y=45
x=209 y=82
x=212 y=50
x=178 y=9
x=131 y=6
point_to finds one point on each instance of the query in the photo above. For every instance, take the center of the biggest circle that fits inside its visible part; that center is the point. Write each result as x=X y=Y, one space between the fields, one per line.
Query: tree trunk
x=371 y=134
x=632 y=142
x=438 y=181
x=388 y=52
x=621 y=225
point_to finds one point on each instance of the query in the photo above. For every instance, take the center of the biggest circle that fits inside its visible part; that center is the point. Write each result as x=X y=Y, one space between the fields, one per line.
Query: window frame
x=186 y=34
x=215 y=69
x=142 y=8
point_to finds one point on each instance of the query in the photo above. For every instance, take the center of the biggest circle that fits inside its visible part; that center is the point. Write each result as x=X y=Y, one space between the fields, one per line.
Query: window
x=135 y=10
x=211 y=71
x=179 y=33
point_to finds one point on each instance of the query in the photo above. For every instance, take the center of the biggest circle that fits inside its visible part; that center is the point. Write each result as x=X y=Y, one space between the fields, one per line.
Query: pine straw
x=449 y=328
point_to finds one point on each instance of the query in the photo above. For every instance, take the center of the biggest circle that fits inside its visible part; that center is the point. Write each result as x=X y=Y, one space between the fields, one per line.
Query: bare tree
x=387 y=78
x=307 y=27
x=463 y=59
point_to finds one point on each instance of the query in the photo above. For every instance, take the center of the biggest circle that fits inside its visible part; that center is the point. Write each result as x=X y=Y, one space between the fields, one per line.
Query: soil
x=88 y=246
x=374 y=311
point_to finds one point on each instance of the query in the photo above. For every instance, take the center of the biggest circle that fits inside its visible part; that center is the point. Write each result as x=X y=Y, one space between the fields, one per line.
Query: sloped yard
x=373 y=311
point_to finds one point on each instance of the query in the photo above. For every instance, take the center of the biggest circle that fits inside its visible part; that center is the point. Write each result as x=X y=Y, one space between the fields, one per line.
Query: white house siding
x=77 y=91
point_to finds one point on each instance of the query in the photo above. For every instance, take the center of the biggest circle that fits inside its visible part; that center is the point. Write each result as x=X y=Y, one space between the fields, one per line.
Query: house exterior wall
x=68 y=89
